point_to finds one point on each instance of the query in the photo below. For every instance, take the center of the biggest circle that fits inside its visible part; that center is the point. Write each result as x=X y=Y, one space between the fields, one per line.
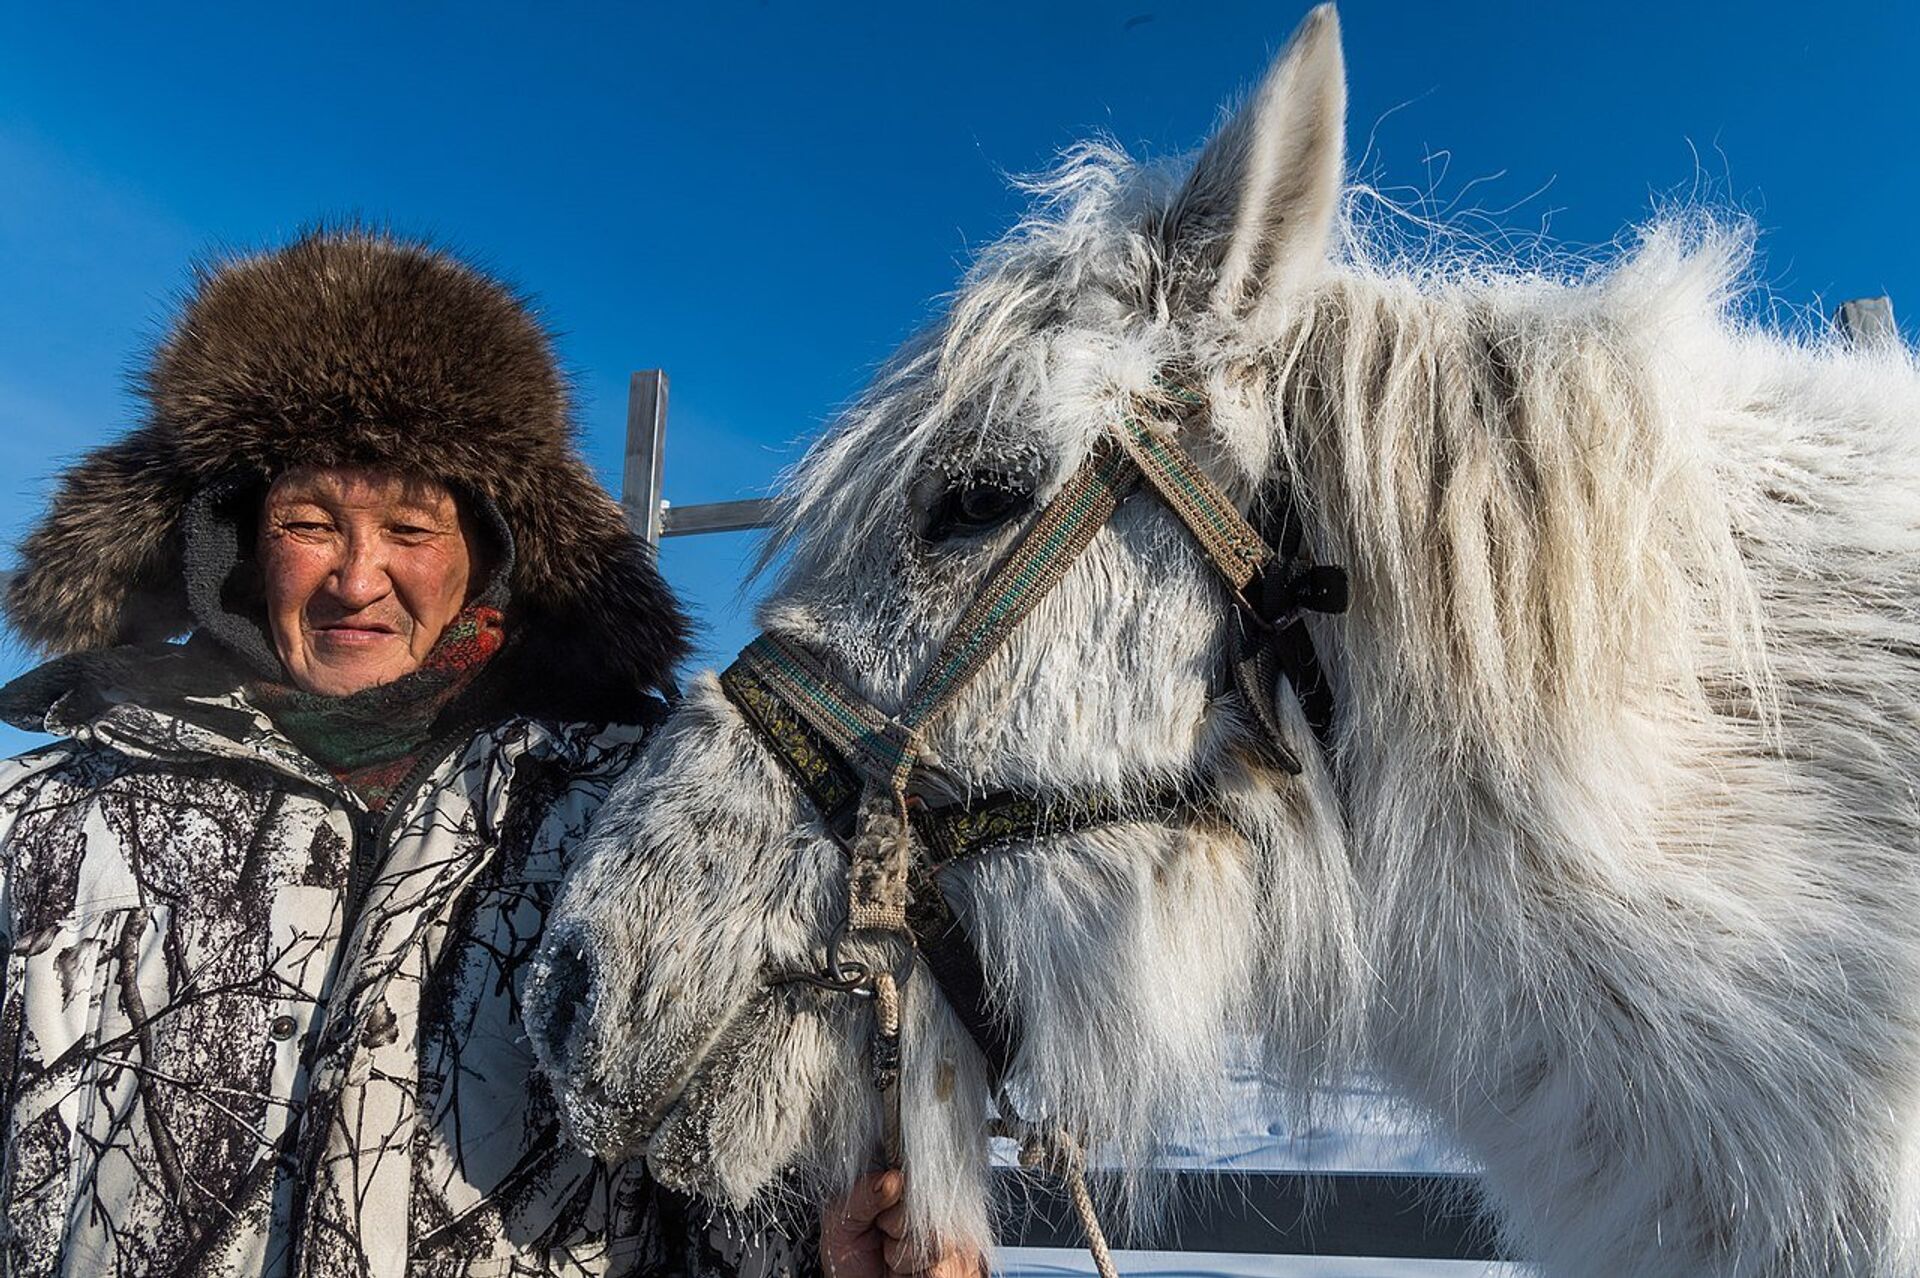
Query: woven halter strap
x=854 y=762
x=885 y=748
x=948 y=833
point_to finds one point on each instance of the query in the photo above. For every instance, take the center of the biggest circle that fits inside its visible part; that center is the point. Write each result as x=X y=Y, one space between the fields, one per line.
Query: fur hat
x=352 y=346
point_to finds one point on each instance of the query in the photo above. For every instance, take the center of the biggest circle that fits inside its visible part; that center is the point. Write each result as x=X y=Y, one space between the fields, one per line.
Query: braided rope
x=1054 y=1150
x=886 y=1032
x=1090 y=1223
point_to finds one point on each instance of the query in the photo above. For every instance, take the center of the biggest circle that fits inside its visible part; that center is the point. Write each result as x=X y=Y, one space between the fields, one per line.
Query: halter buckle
x=1277 y=593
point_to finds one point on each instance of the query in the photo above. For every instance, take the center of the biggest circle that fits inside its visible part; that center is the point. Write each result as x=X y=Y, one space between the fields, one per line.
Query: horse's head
x=1127 y=952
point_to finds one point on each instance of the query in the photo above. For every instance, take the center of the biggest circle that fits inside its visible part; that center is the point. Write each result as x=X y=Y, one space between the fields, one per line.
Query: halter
x=854 y=762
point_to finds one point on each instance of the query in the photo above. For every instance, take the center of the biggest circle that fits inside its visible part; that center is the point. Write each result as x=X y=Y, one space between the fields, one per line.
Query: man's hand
x=863 y=1235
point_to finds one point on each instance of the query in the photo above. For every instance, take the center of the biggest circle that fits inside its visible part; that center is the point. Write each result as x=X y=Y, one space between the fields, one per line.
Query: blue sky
x=764 y=198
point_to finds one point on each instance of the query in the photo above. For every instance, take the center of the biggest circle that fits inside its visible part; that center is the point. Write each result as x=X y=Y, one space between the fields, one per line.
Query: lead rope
x=1054 y=1150
x=885 y=1056
x=1069 y=1163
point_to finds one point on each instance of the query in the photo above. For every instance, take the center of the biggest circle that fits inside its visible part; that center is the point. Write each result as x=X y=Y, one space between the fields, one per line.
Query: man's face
x=363 y=570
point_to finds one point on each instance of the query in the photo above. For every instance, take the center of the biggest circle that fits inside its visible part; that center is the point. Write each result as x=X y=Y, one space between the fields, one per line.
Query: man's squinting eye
x=976 y=504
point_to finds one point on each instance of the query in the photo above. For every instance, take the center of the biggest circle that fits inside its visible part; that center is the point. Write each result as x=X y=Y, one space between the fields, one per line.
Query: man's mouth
x=355 y=631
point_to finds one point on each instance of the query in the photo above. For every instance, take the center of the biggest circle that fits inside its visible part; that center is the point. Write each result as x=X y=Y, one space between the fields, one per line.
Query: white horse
x=1610 y=866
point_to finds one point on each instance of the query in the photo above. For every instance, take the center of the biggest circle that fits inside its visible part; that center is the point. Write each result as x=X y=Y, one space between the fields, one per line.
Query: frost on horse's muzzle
x=613 y=1107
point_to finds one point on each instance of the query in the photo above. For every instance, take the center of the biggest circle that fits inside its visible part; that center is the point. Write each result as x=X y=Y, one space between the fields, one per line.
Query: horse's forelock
x=1084 y=257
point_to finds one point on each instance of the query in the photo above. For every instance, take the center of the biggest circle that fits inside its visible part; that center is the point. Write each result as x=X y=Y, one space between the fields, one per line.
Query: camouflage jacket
x=213 y=1064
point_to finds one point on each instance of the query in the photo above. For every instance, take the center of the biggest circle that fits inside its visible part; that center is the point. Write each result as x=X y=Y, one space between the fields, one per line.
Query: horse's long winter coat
x=1612 y=869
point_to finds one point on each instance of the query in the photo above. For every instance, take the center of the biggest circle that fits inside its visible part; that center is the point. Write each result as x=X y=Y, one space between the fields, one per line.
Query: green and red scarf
x=372 y=739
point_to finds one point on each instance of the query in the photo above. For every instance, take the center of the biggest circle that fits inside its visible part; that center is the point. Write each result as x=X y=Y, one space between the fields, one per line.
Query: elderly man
x=270 y=900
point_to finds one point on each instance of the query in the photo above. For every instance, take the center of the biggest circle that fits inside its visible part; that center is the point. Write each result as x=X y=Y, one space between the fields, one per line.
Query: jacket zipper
x=371 y=833
x=373 y=830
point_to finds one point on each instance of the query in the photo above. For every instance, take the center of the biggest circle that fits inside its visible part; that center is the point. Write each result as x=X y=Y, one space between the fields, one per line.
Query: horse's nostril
x=566 y=982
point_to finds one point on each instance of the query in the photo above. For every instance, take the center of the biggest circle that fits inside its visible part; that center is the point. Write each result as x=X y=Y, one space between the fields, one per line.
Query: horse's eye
x=977 y=504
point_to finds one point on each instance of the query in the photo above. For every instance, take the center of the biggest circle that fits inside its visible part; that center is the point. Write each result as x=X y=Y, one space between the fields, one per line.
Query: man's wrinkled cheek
x=290 y=581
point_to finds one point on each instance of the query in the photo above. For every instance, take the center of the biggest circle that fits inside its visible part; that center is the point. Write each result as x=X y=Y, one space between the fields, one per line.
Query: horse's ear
x=1256 y=216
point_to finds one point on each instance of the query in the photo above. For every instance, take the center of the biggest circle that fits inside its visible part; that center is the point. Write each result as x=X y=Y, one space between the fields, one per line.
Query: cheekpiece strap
x=879 y=746
x=815 y=763
x=1256 y=675
x=1025 y=577
x=1231 y=544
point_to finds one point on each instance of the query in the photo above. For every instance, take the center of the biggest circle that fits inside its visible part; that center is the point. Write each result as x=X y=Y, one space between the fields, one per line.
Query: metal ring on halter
x=841 y=976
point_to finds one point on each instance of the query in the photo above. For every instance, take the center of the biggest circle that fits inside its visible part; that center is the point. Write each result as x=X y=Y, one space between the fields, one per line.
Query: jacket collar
x=174 y=703
x=185 y=703
x=225 y=726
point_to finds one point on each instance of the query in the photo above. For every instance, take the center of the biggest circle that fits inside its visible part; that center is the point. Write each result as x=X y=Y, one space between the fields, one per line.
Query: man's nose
x=361 y=579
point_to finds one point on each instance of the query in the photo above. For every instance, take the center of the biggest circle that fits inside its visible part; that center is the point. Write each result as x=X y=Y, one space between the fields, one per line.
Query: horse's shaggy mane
x=1517 y=456
x=1502 y=425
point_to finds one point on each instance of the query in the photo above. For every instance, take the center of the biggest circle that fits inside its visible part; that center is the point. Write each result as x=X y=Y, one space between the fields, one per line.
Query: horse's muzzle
x=619 y=1078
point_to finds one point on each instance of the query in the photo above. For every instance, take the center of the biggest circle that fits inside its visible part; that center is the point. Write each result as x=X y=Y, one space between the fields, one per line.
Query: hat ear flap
x=645 y=632
x=104 y=566
x=594 y=586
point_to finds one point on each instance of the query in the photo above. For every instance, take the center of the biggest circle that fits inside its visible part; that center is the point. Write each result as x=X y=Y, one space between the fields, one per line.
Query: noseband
x=855 y=763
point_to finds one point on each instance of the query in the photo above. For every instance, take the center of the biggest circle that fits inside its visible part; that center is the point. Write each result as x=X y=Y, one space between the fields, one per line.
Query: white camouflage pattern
x=201 y=1078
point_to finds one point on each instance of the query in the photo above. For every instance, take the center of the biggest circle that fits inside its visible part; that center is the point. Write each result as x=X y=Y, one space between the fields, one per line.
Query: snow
x=1363 y=1129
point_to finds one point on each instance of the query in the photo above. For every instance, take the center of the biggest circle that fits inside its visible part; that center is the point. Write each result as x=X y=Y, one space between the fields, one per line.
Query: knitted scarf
x=372 y=739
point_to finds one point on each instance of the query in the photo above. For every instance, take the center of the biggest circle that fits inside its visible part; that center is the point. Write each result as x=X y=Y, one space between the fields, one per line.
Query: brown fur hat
x=352 y=347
